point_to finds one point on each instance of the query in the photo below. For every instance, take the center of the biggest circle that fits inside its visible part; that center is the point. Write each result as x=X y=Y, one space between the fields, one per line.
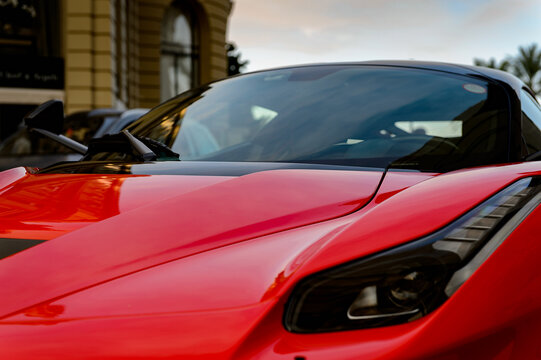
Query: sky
x=272 y=33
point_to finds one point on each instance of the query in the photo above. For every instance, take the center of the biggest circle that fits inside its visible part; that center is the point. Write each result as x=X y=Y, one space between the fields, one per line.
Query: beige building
x=107 y=53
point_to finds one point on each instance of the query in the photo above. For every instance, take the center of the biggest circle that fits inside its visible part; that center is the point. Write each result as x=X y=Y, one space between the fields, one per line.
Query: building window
x=29 y=28
x=179 y=50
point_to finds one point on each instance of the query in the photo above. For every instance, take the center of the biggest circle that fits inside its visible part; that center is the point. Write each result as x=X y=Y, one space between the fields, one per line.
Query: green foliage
x=234 y=64
x=526 y=65
x=493 y=64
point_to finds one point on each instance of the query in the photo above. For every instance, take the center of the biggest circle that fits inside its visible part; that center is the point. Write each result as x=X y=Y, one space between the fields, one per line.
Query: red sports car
x=381 y=210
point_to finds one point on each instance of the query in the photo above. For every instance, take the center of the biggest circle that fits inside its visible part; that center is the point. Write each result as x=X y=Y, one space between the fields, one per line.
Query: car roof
x=471 y=70
x=477 y=71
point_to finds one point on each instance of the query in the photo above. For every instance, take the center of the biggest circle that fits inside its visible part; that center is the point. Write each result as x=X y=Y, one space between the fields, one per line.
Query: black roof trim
x=460 y=69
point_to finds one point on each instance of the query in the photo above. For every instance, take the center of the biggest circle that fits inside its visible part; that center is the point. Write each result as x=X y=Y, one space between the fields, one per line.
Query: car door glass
x=531 y=122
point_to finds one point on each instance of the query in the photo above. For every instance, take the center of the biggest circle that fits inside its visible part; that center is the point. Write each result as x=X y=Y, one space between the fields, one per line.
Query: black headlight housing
x=407 y=282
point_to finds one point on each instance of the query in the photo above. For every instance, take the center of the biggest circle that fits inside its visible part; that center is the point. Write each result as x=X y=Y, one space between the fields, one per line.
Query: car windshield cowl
x=351 y=115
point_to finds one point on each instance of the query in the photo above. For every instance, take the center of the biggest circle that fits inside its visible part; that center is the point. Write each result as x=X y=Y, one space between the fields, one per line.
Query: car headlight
x=407 y=282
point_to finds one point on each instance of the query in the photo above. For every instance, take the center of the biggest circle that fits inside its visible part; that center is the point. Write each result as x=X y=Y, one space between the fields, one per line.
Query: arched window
x=179 y=59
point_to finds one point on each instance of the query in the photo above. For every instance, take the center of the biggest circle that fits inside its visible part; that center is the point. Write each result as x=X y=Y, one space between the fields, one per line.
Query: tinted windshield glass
x=346 y=115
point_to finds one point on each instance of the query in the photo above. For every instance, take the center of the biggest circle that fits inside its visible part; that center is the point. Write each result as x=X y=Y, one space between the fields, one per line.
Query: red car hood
x=46 y=206
x=225 y=303
x=104 y=226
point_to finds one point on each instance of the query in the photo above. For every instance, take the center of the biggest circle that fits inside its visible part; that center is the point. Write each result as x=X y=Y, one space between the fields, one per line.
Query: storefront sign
x=32 y=72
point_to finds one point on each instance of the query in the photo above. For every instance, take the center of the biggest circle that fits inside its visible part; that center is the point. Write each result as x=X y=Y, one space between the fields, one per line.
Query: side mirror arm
x=64 y=140
x=48 y=120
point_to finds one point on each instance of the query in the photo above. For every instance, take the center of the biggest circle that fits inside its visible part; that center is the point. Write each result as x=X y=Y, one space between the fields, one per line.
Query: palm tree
x=491 y=63
x=527 y=66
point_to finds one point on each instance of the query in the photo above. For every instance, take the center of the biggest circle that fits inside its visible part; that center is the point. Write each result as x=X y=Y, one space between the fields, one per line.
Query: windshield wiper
x=144 y=149
x=146 y=153
x=48 y=120
x=162 y=151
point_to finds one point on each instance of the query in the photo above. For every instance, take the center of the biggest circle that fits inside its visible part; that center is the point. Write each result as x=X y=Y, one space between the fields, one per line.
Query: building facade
x=106 y=53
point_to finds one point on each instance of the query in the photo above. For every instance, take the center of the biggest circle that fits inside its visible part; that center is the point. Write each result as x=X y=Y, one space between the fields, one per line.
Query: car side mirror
x=47 y=116
x=48 y=120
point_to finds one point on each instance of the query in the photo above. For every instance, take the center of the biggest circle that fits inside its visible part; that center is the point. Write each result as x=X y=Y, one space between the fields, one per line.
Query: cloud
x=365 y=29
x=296 y=21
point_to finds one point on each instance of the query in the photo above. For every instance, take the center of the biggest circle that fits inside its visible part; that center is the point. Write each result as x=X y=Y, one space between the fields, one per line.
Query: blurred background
x=277 y=32
x=106 y=53
x=126 y=54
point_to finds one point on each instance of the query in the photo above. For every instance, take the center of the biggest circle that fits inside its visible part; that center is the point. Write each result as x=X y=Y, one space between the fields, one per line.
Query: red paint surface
x=211 y=216
x=112 y=290
x=47 y=206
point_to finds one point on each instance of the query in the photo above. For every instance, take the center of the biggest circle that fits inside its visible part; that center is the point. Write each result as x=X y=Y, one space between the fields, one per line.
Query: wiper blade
x=146 y=153
x=140 y=148
x=163 y=151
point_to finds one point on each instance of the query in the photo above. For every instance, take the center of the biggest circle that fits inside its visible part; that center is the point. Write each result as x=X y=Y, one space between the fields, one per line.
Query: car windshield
x=370 y=116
